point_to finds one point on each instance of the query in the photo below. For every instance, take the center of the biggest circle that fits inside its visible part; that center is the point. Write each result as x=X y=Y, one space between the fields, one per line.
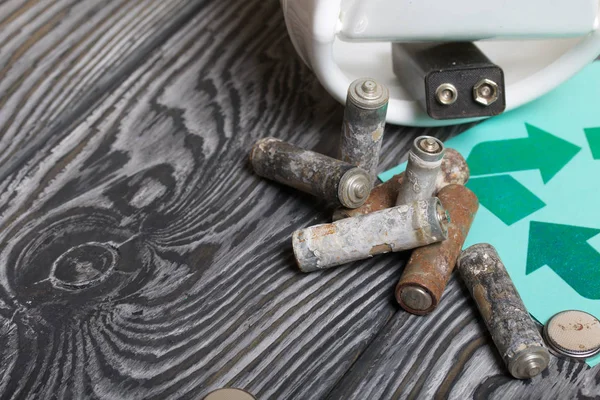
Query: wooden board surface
x=141 y=258
x=450 y=355
x=202 y=291
x=59 y=58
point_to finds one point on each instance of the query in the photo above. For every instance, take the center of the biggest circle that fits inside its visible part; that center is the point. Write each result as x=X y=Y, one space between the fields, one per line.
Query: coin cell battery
x=229 y=394
x=574 y=334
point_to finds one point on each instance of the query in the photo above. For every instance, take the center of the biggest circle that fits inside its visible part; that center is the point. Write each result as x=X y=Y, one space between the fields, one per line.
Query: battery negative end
x=354 y=188
x=529 y=363
x=414 y=299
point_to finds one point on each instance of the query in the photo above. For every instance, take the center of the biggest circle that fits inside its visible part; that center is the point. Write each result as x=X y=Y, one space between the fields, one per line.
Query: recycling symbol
x=563 y=248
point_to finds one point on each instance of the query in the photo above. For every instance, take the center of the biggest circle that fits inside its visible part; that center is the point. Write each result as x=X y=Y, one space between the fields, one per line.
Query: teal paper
x=546 y=153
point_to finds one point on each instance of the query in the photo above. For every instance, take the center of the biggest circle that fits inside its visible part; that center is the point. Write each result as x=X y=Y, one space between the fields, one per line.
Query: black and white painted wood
x=59 y=58
x=450 y=354
x=141 y=258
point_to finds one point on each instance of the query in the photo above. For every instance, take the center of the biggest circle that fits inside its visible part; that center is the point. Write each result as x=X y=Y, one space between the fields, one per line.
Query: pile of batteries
x=427 y=208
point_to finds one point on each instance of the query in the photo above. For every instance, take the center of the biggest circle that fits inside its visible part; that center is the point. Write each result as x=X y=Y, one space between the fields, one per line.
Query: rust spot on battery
x=323 y=230
x=454 y=169
x=377 y=134
x=317 y=232
x=380 y=248
x=421 y=235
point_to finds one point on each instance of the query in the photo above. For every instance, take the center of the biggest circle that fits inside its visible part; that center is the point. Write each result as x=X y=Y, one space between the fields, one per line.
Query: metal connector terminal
x=450 y=79
x=485 y=92
x=446 y=94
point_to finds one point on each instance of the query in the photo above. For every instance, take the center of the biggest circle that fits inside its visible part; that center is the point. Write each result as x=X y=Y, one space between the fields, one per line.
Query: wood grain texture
x=141 y=258
x=58 y=58
x=449 y=354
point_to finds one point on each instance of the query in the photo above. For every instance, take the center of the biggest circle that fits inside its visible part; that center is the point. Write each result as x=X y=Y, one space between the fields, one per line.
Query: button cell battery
x=572 y=333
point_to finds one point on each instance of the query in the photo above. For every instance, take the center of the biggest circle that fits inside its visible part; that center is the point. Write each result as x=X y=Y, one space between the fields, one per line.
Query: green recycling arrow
x=593 y=138
x=565 y=250
x=540 y=150
x=505 y=197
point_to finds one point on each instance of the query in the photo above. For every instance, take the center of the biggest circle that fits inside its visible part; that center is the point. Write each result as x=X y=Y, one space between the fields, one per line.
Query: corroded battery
x=574 y=334
x=513 y=331
x=364 y=123
x=428 y=270
x=422 y=169
x=332 y=180
x=394 y=229
x=454 y=170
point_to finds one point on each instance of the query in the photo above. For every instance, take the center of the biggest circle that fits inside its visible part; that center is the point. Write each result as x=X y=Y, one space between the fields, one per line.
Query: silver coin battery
x=573 y=334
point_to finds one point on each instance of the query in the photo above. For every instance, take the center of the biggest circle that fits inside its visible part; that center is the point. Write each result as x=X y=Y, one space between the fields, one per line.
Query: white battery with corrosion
x=394 y=229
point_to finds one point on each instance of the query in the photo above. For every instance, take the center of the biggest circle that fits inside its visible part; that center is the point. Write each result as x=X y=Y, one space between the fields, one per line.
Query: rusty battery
x=428 y=269
x=394 y=229
x=335 y=181
x=364 y=123
x=513 y=331
x=454 y=170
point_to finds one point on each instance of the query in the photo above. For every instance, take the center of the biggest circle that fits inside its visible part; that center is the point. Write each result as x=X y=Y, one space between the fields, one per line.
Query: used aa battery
x=428 y=269
x=513 y=331
x=332 y=180
x=364 y=122
x=454 y=170
x=394 y=229
x=422 y=169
